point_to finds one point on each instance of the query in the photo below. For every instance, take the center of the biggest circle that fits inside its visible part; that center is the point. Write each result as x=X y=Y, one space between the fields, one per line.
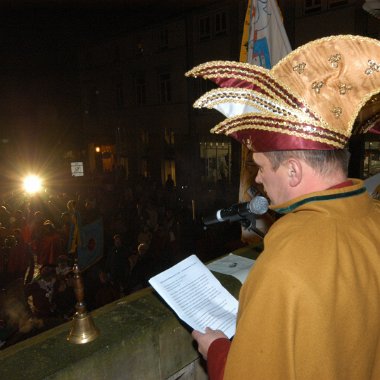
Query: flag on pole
x=86 y=241
x=264 y=43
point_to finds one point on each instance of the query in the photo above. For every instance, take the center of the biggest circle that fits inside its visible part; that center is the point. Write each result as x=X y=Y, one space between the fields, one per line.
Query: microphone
x=257 y=206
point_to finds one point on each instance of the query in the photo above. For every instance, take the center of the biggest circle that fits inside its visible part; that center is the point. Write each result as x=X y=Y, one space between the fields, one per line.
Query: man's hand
x=204 y=340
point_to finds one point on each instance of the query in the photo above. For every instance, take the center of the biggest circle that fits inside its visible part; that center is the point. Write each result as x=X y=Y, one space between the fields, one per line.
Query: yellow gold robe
x=310 y=308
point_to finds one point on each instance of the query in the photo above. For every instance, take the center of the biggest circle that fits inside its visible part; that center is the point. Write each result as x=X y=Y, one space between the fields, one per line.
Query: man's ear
x=294 y=172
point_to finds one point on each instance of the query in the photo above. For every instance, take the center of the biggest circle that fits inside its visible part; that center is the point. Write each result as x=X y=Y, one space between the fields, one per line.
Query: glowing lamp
x=32 y=184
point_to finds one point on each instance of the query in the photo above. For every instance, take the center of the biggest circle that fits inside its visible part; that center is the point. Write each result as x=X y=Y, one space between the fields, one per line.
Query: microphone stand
x=250 y=225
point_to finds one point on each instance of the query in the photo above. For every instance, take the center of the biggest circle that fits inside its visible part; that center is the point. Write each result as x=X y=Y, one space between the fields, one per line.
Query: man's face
x=275 y=183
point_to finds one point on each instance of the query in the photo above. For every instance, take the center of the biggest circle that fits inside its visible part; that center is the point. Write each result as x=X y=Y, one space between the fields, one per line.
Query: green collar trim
x=317 y=198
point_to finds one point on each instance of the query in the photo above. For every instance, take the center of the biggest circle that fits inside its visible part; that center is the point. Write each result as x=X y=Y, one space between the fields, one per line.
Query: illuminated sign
x=77 y=169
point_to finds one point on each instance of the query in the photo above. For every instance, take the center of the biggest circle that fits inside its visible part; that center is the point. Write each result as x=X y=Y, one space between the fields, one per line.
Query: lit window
x=169 y=136
x=144 y=168
x=216 y=158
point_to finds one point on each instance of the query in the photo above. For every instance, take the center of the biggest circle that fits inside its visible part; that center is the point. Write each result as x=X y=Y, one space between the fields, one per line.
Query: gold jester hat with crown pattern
x=309 y=100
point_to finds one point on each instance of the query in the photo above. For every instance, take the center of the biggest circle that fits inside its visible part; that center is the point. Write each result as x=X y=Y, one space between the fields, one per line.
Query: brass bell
x=83 y=329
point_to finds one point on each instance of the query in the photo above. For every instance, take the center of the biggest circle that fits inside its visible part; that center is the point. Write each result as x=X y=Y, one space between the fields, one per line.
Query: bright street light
x=32 y=184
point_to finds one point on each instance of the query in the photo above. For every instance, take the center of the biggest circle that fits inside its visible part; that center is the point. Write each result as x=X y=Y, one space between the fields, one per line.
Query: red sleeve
x=217 y=357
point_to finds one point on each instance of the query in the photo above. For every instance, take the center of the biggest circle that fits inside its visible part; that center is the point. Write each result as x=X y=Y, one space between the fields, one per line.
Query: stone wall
x=140 y=338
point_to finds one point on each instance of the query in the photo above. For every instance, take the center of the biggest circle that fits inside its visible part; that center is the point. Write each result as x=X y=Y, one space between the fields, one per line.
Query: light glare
x=32 y=184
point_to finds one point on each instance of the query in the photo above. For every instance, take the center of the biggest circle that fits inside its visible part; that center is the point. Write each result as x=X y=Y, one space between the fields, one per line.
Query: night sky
x=39 y=93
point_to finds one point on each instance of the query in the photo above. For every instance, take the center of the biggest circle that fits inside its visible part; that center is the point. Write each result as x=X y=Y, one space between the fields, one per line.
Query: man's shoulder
x=293 y=223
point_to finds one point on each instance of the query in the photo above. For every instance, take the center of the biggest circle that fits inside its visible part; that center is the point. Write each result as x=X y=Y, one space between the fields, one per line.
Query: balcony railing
x=140 y=338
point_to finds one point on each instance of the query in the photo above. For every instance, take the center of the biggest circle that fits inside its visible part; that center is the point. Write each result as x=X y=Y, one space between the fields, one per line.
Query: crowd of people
x=147 y=228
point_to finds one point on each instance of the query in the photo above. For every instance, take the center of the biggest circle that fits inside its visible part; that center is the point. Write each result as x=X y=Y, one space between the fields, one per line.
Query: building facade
x=137 y=104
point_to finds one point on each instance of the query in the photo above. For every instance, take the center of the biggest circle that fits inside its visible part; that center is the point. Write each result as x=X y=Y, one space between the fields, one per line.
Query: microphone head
x=258 y=205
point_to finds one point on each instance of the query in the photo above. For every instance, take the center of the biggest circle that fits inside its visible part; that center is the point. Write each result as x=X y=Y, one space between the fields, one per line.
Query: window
x=144 y=168
x=312 y=6
x=212 y=25
x=204 y=28
x=168 y=167
x=165 y=88
x=216 y=157
x=220 y=23
x=121 y=141
x=371 y=158
x=169 y=136
x=140 y=88
x=336 y=3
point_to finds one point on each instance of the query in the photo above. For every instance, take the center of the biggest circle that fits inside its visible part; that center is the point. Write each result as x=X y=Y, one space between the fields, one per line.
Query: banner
x=87 y=242
x=91 y=245
x=264 y=43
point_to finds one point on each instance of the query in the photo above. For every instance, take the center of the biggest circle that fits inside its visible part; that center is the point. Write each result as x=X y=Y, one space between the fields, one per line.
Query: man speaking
x=310 y=306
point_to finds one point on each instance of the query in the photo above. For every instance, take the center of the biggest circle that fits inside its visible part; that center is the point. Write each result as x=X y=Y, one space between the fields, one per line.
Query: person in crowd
x=40 y=293
x=36 y=226
x=170 y=226
x=106 y=292
x=150 y=215
x=91 y=212
x=117 y=264
x=141 y=268
x=309 y=308
x=75 y=221
x=64 y=228
x=64 y=297
x=145 y=235
x=20 y=254
x=17 y=220
x=118 y=224
x=4 y=216
x=49 y=246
